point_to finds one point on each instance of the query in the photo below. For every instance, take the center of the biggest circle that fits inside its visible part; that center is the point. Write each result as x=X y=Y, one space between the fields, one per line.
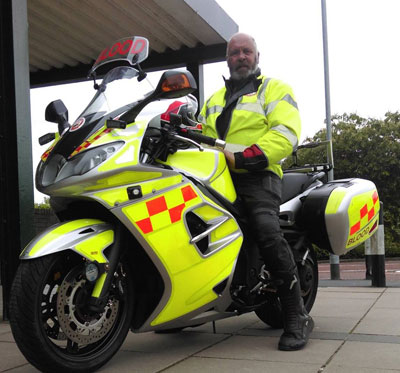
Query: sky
x=364 y=53
x=364 y=60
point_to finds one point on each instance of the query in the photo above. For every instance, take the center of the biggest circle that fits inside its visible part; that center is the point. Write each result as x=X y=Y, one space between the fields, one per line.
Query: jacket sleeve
x=284 y=127
x=202 y=118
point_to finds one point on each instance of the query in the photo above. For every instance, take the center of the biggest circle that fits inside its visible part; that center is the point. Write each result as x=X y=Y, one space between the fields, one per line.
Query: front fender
x=87 y=237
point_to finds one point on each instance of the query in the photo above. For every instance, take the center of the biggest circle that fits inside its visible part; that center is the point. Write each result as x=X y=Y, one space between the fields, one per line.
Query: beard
x=243 y=73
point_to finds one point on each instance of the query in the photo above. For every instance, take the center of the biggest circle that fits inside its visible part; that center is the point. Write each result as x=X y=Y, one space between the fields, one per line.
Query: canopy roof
x=66 y=36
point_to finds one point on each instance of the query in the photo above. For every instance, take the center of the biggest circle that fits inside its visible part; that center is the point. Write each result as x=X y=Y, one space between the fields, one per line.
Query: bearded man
x=258 y=117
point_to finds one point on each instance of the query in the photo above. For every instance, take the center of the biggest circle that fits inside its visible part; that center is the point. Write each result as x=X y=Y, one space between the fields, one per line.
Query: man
x=258 y=118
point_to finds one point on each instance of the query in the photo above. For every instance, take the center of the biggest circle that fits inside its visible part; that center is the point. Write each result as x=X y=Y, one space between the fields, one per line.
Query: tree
x=368 y=149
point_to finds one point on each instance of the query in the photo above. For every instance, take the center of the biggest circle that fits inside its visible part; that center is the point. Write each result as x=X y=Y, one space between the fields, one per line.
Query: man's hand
x=230 y=159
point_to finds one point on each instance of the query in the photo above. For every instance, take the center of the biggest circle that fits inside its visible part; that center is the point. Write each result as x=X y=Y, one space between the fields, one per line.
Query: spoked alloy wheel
x=50 y=320
x=79 y=325
x=271 y=312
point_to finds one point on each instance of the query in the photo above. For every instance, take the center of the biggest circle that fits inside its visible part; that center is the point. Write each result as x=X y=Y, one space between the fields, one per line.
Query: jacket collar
x=233 y=86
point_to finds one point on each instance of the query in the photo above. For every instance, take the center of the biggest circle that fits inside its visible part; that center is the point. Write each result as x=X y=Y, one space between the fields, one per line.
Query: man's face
x=242 y=57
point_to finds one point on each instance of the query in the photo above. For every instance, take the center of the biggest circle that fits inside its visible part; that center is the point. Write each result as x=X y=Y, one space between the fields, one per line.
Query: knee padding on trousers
x=278 y=258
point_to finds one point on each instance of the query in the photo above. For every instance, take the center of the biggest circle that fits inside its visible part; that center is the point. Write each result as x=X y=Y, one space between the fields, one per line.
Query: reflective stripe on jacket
x=268 y=118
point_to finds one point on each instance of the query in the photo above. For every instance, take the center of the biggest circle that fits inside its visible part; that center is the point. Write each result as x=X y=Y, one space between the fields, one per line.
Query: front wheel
x=271 y=312
x=50 y=320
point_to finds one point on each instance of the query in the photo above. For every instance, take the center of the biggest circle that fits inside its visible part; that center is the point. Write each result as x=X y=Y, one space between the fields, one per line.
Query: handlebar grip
x=198 y=137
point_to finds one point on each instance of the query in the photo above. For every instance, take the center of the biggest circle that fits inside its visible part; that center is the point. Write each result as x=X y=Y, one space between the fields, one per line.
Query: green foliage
x=358 y=252
x=368 y=149
x=44 y=205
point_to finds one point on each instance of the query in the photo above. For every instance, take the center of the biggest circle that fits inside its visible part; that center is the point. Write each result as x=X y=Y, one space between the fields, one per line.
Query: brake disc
x=79 y=326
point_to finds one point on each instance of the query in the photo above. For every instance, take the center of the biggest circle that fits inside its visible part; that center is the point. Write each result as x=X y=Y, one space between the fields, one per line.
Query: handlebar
x=177 y=120
x=198 y=137
x=311 y=145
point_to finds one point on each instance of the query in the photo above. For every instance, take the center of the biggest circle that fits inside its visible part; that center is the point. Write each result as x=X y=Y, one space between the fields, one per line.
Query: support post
x=197 y=71
x=333 y=259
x=368 y=260
x=16 y=184
x=377 y=243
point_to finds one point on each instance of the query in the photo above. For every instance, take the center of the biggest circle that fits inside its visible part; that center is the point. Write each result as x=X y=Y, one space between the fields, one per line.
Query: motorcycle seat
x=295 y=183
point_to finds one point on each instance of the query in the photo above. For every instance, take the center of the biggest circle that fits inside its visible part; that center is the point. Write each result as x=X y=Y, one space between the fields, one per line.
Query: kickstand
x=214 y=329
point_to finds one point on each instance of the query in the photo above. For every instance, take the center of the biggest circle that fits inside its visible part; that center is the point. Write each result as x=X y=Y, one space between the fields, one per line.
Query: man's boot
x=298 y=324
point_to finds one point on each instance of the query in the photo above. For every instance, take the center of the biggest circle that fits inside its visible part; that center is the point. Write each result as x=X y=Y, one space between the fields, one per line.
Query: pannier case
x=341 y=214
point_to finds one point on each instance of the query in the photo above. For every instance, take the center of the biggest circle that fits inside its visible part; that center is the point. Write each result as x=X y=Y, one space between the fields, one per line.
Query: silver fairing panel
x=290 y=209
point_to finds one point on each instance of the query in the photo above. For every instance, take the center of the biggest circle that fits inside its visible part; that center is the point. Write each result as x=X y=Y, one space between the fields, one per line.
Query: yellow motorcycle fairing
x=157 y=219
x=209 y=166
x=87 y=237
x=189 y=274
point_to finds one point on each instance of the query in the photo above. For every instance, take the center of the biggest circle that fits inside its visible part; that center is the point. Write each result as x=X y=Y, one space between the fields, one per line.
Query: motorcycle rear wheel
x=82 y=342
x=271 y=312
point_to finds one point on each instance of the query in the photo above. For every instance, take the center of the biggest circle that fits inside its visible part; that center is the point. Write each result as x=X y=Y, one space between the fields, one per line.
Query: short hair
x=240 y=33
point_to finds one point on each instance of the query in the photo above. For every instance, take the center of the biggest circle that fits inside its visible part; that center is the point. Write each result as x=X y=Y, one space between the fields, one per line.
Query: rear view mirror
x=56 y=112
x=172 y=84
x=175 y=84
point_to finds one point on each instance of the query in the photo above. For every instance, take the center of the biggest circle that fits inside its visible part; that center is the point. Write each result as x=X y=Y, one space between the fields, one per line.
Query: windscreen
x=133 y=49
x=118 y=92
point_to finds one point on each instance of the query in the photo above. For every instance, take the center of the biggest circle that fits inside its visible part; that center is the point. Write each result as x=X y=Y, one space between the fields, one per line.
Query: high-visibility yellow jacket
x=263 y=123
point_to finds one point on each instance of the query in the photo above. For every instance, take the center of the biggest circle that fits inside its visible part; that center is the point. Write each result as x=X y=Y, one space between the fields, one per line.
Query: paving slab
x=344 y=369
x=6 y=335
x=350 y=289
x=334 y=324
x=357 y=330
x=27 y=368
x=202 y=364
x=265 y=349
x=380 y=321
x=151 y=352
x=4 y=327
x=341 y=307
x=11 y=357
x=367 y=355
x=339 y=294
x=323 y=325
x=392 y=290
x=373 y=338
x=388 y=300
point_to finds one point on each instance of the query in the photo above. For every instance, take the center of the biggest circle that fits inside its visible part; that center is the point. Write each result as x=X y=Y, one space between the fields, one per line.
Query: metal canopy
x=66 y=36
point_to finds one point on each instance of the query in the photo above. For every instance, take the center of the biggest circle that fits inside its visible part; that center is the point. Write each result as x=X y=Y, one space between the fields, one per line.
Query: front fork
x=101 y=291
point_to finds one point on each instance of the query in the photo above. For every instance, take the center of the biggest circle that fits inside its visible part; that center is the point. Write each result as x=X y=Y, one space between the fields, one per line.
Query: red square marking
x=156 y=206
x=363 y=211
x=371 y=214
x=375 y=197
x=188 y=193
x=176 y=213
x=145 y=225
x=355 y=228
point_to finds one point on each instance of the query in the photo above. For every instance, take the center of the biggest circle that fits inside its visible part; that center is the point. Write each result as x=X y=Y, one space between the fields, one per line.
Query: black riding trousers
x=260 y=195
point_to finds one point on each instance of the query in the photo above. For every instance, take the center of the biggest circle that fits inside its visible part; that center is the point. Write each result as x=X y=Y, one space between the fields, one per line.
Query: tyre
x=49 y=319
x=308 y=274
x=271 y=312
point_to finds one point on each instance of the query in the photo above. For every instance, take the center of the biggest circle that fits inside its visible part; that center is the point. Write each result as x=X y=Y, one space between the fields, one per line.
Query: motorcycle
x=151 y=237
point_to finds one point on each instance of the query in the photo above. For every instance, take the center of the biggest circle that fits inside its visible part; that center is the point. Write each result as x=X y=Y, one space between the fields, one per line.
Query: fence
x=43 y=218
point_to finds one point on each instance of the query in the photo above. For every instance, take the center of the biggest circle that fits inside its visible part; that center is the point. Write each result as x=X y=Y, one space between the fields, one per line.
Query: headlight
x=88 y=160
x=58 y=168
